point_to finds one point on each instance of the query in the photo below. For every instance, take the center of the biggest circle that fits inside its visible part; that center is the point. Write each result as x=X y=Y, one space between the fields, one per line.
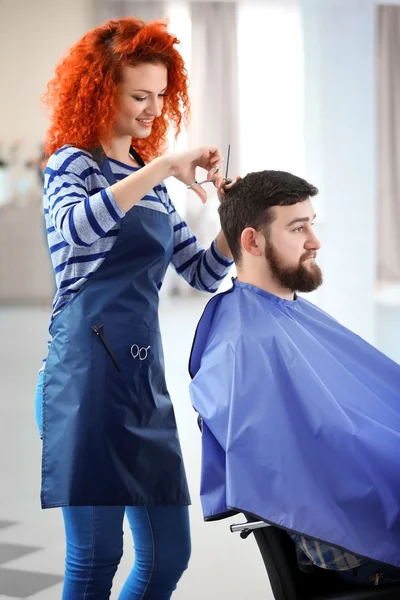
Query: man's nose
x=312 y=242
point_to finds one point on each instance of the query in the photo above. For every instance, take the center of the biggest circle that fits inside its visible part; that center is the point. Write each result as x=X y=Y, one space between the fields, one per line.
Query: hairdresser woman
x=110 y=444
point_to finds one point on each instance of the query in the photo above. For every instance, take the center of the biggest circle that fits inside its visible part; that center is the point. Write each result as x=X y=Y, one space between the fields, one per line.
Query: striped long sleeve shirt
x=83 y=220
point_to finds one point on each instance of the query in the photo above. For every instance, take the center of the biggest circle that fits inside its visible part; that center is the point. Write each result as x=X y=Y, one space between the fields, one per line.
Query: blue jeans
x=94 y=548
x=39 y=403
x=161 y=537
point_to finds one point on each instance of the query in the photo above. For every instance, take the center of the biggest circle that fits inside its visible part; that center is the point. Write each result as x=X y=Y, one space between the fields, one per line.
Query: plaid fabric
x=310 y=552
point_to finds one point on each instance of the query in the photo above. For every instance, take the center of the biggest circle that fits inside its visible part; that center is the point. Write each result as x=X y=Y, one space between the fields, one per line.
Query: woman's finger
x=229 y=183
x=200 y=191
x=214 y=174
x=215 y=159
x=225 y=185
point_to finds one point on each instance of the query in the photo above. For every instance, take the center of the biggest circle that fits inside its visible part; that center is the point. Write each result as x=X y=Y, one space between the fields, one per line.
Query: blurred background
x=307 y=86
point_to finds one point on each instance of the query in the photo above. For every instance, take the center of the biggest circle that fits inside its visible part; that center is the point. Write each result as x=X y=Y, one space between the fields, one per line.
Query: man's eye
x=298 y=229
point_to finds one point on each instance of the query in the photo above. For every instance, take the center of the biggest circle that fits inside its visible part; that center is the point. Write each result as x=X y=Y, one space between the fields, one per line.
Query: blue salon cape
x=301 y=422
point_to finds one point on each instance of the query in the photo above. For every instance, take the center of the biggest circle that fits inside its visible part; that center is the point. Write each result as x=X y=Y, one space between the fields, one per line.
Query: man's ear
x=251 y=241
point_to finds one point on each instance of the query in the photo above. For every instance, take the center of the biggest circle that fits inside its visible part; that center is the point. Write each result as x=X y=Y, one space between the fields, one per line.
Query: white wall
x=340 y=152
x=271 y=88
x=33 y=36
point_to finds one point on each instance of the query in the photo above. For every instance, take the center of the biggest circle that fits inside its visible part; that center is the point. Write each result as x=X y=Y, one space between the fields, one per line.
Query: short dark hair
x=249 y=201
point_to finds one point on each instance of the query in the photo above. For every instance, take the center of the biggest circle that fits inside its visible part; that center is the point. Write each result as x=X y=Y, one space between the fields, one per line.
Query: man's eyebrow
x=148 y=91
x=301 y=220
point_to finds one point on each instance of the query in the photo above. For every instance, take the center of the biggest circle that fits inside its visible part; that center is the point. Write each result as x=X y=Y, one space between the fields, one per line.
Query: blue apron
x=109 y=430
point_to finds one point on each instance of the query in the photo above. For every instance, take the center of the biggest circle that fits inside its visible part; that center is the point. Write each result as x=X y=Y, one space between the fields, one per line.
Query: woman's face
x=141 y=99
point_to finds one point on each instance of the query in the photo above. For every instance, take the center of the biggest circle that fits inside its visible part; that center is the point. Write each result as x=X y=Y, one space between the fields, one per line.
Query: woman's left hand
x=224 y=185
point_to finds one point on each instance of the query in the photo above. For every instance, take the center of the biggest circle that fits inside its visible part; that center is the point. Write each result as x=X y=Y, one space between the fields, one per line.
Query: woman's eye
x=143 y=98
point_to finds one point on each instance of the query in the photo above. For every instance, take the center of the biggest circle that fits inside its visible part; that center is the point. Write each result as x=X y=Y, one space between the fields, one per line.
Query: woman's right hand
x=183 y=166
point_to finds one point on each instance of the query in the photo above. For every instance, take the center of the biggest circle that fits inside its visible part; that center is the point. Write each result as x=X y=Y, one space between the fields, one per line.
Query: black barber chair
x=289 y=583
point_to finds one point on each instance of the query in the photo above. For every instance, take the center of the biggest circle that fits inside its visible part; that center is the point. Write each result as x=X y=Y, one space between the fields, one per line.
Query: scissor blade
x=227 y=161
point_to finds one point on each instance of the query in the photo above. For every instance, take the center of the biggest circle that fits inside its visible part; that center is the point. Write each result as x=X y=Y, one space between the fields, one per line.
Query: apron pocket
x=127 y=368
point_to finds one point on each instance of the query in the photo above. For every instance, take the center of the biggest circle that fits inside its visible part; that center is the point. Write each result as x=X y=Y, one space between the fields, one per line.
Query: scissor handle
x=200 y=183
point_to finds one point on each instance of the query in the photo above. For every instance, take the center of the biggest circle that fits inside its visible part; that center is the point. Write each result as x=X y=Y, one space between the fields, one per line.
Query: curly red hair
x=82 y=96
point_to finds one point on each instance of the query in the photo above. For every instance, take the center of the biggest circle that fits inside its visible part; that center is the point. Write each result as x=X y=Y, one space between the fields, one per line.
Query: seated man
x=300 y=416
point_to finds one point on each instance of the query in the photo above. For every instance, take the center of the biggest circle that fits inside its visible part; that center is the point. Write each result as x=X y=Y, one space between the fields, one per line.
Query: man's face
x=291 y=247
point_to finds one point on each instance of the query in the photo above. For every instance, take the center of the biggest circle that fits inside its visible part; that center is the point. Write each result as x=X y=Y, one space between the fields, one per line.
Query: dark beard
x=296 y=279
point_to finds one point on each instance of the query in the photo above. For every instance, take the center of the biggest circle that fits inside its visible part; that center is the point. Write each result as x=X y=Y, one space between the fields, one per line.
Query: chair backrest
x=278 y=551
x=279 y=556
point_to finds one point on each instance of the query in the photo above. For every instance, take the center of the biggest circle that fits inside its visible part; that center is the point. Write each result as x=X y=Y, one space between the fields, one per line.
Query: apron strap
x=137 y=157
x=101 y=159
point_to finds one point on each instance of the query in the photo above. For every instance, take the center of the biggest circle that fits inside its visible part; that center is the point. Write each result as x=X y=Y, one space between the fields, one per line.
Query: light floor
x=223 y=566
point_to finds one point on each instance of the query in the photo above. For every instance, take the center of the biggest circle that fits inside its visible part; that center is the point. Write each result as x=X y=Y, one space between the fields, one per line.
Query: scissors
x=214 y=169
